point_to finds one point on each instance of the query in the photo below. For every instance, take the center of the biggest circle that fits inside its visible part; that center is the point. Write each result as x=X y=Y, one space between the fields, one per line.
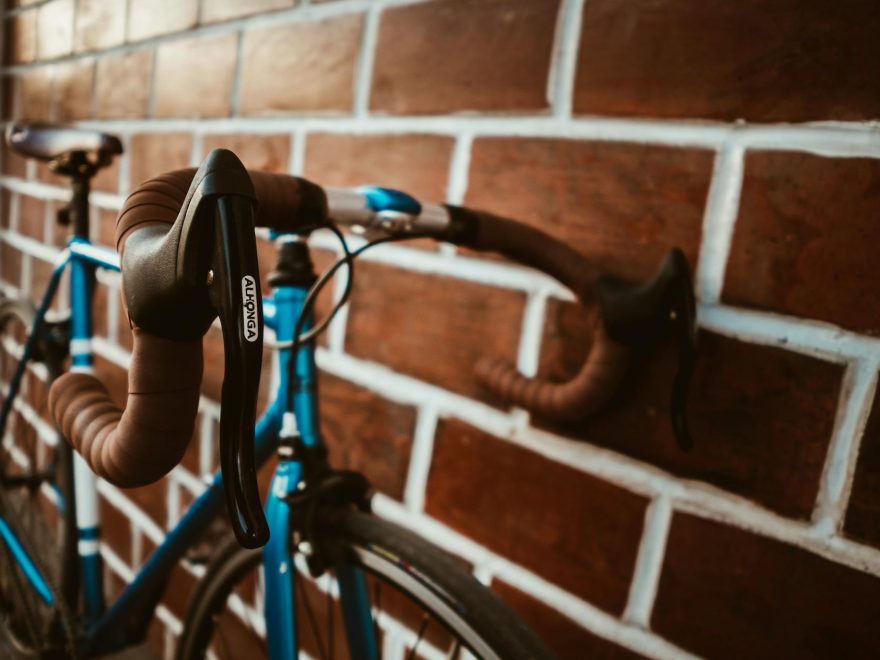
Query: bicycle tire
x=28 y=626
x=433 y=580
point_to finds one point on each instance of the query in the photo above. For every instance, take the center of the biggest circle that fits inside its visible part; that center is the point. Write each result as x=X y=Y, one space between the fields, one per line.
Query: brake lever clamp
x=637 y=315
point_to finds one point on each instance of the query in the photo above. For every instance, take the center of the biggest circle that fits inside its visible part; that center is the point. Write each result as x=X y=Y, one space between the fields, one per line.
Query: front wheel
x=424 y=605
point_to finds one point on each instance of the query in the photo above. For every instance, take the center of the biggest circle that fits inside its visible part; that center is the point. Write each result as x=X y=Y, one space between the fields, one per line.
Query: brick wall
x=739 y=131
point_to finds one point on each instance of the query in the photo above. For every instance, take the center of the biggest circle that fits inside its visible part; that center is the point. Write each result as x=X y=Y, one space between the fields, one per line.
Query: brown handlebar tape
x=285 y=202
x=139 y=444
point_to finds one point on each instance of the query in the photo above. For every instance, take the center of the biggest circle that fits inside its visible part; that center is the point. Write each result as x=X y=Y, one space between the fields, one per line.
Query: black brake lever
x=637 y=314
x=237 y=298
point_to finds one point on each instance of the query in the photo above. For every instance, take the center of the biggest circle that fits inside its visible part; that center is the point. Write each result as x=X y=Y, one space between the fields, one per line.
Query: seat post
x=79 y=205
x=80 y=170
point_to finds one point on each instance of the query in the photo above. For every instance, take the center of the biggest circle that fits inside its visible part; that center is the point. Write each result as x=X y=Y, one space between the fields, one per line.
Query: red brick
x=123 y=85
x=268 y=153
x=34 y=92
x=486 y=55
x=152 y=500
x=54 y=29
x=107 y=179
x=152 y=154
x=761 y=417
x=194 y=76
x=31 y=216
x=778 y=61
x=106 y=227
x=300 y=67
x=727 y=593
x=73 y=90
x=564 y=637
x=99 y=24
x=150 y=18
x=623 y=205
x=5 y=207
x=804 y=237
x=115 y=529
x=223 y=10
x=10 y=264
x=590 y=528
x=418 y=164
x=179 y=589
x=21 y=31
x=429 y=326
x=13 y=164
x=367 y=433
x=863 y=515
x=41 y=271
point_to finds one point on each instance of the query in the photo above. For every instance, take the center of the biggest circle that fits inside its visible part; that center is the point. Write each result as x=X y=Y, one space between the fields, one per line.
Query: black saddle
x=54 y=143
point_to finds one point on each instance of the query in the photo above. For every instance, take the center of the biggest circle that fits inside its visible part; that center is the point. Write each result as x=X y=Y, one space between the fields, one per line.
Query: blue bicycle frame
x=125 y=621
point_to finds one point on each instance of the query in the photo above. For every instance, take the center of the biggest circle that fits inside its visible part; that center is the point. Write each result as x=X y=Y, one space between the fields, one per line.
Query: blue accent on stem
x=388 y=199
x=82 y=249
x=89 y=533
x=25 y=563
x=278 y=566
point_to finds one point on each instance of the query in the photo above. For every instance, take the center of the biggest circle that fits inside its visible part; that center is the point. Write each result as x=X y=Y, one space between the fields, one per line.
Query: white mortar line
x=532 y=333
x=206 y=445
x=112 y=352
x=560 y=82
x=649 y=563
x=124 y=183
x=573 y=607
x=856 y=399
x=172 y=503
x=297 y=162
x=421 y=452
x=113 y=312
x=197 y=149
x=131 y=511
x=722 y=207
x=235 y=91
x=14 y=209
x=459 y=168
x=30 y=247
x=844 y=139
x=363 y=80
x=814 y=338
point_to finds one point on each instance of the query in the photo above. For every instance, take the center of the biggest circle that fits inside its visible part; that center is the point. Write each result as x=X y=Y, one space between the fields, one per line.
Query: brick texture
x=123 y=85
x=864 y=500
x=726 y=593
x=622 y=205
x=73 y=90
x=498 y=494
x=807 y=222
x=269 y=153
x=563 y=636
x=761 y=417
x=418 y=164
x=429 y=60
x=392 y=319
x=99 y=24
x=752 y=60
x=221 y=10
x=55 y=29
x=149 y=18
x=615 y=128
x=318 y=58
x=367 y=433
x=152 y=154
x=203 y=85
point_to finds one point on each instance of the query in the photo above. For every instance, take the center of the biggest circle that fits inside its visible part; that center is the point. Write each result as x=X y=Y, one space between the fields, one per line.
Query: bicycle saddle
x=52 y=142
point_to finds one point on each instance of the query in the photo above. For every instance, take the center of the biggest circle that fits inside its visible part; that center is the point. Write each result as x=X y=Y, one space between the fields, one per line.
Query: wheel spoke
x=426 y=619
x=310 y=613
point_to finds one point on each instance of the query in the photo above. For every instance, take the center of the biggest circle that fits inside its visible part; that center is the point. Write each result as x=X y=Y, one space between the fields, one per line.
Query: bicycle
x=188 y=256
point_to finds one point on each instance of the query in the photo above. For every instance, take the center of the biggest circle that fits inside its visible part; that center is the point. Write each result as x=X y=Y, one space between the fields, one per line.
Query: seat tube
x=85 y=481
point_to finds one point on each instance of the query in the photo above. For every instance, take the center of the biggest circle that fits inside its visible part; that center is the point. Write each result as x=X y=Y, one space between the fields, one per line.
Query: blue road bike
x=309 y=571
